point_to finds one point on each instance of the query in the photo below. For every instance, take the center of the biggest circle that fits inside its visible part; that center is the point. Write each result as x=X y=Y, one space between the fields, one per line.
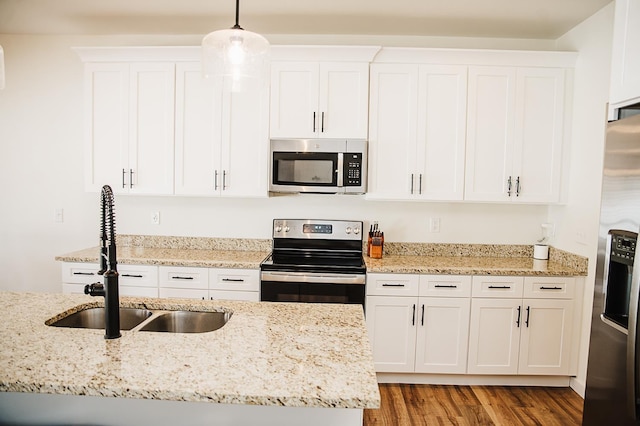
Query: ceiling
x=539 y=19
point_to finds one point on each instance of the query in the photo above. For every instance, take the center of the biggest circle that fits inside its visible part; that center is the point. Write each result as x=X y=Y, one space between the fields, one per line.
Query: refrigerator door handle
x=633 y=365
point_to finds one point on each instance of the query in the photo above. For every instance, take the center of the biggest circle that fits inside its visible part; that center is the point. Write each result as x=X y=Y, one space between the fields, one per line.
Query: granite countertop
x=239 y=259
x=278 y=354
x=452 y=265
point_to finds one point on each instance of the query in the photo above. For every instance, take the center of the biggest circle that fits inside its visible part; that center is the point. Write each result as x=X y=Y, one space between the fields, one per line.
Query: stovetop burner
x=305 y=245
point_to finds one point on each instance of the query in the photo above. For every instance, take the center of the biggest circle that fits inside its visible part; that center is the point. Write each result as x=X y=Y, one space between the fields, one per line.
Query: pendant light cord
x=237 y=25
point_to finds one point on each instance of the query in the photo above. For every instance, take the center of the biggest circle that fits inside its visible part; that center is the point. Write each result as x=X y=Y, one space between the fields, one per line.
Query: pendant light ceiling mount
x=236 y=54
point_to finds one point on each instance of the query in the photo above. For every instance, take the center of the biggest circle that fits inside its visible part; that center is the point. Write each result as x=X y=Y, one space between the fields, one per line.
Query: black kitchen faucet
x=108 y=267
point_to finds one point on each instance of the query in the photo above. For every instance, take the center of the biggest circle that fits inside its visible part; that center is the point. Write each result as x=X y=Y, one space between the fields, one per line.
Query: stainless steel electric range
x=316 y=261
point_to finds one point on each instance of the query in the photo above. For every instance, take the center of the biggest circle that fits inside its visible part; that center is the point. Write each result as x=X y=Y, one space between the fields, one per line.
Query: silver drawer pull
x=181 y=278
x=392 y=285
x=550 y=288
x=83 y=273
x=132 y=276
x=500 y=286
x=445 y=286
x=233 y=280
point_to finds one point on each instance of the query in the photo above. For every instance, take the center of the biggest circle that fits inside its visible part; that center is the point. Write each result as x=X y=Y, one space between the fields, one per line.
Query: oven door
x=312 y=287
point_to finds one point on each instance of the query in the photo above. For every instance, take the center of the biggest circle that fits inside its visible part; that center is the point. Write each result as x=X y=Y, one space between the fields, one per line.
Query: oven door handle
x=313 y=278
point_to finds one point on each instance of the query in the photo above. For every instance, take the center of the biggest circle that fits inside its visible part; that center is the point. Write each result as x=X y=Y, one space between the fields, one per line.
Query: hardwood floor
x=475 y=405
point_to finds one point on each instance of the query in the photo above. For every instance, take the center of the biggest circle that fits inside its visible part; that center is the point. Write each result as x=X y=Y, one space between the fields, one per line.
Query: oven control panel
x=317 y=229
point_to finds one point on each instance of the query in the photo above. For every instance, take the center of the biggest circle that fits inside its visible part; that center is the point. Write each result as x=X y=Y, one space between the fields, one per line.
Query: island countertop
x=273 y=354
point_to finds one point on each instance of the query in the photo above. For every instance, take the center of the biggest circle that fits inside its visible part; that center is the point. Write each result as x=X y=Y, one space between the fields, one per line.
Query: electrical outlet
x=581 y=237
x=155 y=218
x=59 y=215
x=434 y=224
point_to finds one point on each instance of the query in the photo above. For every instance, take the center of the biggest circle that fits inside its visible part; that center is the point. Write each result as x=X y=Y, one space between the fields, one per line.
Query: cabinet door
x=538 y=134
x=494 y=339
x=442 y=103
x=343 y=100
x=245 y=144
x=294 y=99
x=198 y=132
x=106 y=93
x=391 y=323
x=151 y=128
x=443 y=333
x=490 y=124
x=625 y=63
x=545 y=346
x=392 y=131
x=183 y=293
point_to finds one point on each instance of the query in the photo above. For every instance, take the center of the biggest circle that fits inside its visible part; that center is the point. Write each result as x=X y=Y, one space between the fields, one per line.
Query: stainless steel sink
x=94 y=318
x=187 y=322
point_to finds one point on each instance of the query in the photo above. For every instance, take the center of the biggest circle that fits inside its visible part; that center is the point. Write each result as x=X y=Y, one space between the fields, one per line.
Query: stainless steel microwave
x=318 y=166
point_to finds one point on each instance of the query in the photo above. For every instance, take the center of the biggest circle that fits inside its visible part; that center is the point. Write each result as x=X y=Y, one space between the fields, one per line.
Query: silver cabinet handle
x=83 y=273
x=314 y=121
x=215 y=180
x=123 y=173
x=131 y=178
x=528 y=313
x=446 y=286
x=422 y=318
x=420 y=184
x=550 y=288
x=132 y=275
x=509 y=186
x=177 y=277
x=224 y=180
x=413 y=316
x=412 y=183
x=518 y=320
x=322 y=123
x=518 y=186
x=392 y=285
x=500 y=286
x=233 y=280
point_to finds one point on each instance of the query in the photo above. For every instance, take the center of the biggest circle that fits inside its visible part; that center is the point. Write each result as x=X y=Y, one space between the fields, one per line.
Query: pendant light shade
x=1 y=68
x=239 y=57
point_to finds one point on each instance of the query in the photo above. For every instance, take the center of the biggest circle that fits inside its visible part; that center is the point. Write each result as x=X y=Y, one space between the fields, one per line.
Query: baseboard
x=467 y=379
x=578 y=386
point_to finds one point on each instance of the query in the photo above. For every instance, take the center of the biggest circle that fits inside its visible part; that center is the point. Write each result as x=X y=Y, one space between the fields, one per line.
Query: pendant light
x=240 y=58
x=1 y=68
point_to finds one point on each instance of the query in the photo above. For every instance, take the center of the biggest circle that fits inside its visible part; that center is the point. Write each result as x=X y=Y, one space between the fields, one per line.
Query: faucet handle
x=96 y=289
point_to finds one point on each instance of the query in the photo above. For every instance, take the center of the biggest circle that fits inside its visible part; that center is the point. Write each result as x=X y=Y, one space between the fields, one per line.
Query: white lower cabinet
x=169 y=281
x=482 y=325
x=516 y=335
x=418 y=331
x=134 y=280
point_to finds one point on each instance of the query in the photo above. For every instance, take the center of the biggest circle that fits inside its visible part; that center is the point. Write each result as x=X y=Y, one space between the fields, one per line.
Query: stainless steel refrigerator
x=613 y=373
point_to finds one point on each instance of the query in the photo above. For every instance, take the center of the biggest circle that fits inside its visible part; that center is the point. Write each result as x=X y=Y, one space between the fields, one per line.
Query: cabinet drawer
x=80 y=273
x=184 y=277
x=549 y=287
x=445 y=285
x=234 y=279
x=392 y=284
x=183 y=293
x=127 y=290
x=497 y=287
x=251 y=296
x=138 y=276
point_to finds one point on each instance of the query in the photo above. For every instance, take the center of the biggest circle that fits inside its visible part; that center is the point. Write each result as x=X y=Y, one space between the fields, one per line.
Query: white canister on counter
x=541 y=251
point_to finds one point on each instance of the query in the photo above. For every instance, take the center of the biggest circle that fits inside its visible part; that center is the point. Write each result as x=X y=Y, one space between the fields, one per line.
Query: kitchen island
x=271 y=363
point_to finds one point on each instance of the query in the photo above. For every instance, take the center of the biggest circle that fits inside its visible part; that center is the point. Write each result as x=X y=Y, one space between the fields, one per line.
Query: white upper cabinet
x=417 y=131
x=221 y=137
x=319 y=99
x=129 y=126
x=515 y=129
x=625 y=64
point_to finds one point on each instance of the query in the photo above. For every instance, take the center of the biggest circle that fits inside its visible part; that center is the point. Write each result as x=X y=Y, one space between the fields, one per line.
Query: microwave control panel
x=352 y=169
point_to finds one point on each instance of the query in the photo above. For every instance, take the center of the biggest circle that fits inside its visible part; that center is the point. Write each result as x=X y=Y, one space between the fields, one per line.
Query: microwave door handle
x=340 y=170
x=633 y=361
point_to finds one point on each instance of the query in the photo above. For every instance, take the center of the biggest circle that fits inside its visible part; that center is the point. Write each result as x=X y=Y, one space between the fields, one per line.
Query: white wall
x=41 y=157
x=577 y=221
